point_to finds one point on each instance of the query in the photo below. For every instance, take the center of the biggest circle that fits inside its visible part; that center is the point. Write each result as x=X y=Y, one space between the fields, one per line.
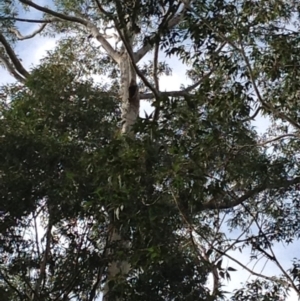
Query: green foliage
x=174 y=192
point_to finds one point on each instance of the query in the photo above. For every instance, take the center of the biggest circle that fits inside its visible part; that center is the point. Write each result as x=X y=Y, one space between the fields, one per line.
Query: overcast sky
x=31 y=51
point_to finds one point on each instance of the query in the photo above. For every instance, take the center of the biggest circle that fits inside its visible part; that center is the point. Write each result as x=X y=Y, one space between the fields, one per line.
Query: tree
x=144 y=209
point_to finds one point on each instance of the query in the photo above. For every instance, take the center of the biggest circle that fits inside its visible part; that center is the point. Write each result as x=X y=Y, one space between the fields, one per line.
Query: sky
x=31 y=51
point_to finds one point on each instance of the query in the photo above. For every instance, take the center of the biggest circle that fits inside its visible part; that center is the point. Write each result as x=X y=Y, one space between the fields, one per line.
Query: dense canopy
x=99 y=201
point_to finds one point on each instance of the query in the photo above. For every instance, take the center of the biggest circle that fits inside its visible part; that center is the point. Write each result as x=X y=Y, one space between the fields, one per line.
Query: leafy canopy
x=175 y=191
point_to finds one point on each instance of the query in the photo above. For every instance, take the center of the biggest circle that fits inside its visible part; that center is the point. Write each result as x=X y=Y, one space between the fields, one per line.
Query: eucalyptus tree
x=143 y=209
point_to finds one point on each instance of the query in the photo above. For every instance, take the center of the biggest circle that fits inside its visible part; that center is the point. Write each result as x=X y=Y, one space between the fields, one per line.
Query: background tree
x=144 y=213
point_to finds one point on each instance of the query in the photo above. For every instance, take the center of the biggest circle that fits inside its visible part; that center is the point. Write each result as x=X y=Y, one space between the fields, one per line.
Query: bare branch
x=36 y=235
x=264 y=143
x=244 y=266
x=93 y=28
x=25 y=20
x=179 y=93
x=166 y=93
x=54 y=13
x=202 y=252
x=11 y=69
x=29 y=36
x=291 y=135
x=186 y=91
x=99 y=272
x=224 y=201
x=101 y=9
x=10 y=52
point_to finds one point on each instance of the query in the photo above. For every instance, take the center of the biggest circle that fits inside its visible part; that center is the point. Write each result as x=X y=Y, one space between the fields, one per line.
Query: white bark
x=130 y=105
x=115 y=268
x=130 y=111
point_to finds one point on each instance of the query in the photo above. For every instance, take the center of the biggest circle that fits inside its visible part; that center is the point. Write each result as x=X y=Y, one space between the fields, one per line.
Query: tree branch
x=29 y=36
x=166 y=93
x=54 y=13
x=7 y=281
x=253 y=116
x=101 y=9
x=93 y=28
x=44 y=261
x=244 y=266
x=137 y=70
x=11 y=69
x=155 y=63
x=25 y=20
x=138 y=55
x=179 y=93
x=273 y=256
x=266 y=105
x=10 y=52
x=220 y=204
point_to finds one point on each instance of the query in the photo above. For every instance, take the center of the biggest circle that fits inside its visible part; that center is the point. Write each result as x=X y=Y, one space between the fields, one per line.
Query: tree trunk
x=130 y=94
x=130 y=103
